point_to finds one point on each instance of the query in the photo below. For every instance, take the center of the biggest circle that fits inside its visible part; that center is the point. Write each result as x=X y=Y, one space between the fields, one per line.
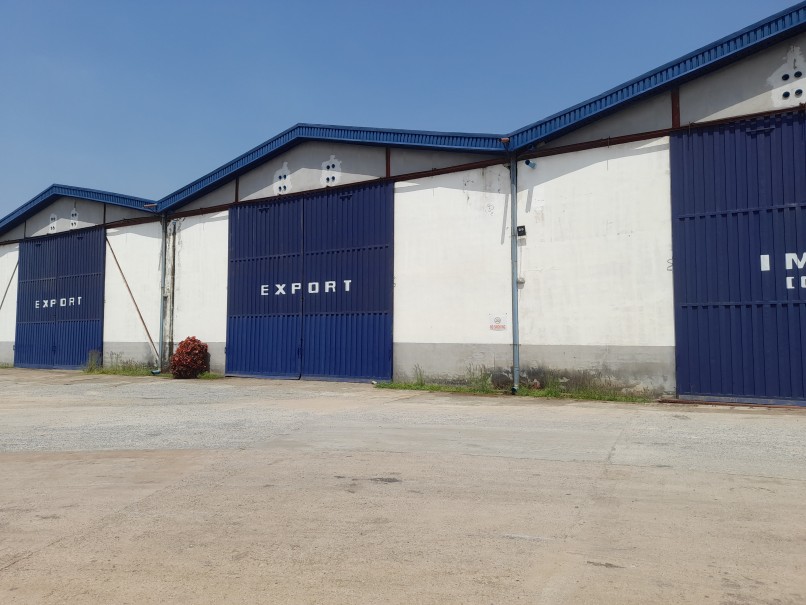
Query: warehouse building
x=80 y=273
x=657 y=239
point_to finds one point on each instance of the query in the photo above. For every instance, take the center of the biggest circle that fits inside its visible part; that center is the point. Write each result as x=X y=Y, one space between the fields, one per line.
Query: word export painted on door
x=71 y=301
x=314 y=287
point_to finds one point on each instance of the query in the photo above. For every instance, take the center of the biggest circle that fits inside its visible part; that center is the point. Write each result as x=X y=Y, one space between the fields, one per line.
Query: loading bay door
x=60 y=305
x=310 y=286
x=739 y=239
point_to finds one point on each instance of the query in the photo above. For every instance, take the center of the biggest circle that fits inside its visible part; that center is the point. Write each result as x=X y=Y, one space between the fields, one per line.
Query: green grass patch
x=125 y=370
x=116 y=365
x=477 y=380
x=120 y=371
x=540 y=382
x=581 y=384
x=6 y=366
x=591 y=393
x=210 y=376
x=438 y=388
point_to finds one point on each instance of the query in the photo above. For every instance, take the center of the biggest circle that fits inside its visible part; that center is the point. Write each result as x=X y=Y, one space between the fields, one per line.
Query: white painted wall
x=407 y=161
x=452 y=258
x=200 y=282
x=138 y=250
x=15 y=233
x=119 y=213
x=647 y=115
x=596 y=258
x=308 y=166
x=9 y=275
x=89 y=214
x=223 y=195
x=752 y=85
x=304 y=168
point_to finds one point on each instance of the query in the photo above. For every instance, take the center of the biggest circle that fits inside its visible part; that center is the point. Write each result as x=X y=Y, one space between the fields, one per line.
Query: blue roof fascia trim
x=450 y=141
x=33 y=205
x=750 y=39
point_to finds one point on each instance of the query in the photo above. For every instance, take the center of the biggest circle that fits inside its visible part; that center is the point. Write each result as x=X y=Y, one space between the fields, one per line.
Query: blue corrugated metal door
x=310 y=286
x=60 y=303
x=264 y=310
x=347 y=325
x=739 y=238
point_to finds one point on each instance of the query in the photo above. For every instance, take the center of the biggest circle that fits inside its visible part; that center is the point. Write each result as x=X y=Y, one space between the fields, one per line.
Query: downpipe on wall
x=169 y=229
x=170 y=299
x=513 y=228
x=164 y=223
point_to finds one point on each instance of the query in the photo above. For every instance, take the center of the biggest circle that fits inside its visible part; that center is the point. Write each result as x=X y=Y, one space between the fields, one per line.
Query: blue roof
x=708 y=58
x=421 y=139
x=53 y=192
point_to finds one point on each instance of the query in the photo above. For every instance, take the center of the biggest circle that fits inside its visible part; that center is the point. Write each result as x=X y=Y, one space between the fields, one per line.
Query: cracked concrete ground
x=146 y=490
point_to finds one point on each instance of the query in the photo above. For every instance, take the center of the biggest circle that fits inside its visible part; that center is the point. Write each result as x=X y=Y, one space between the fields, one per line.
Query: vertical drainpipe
x=164 y=222
x=513 y=196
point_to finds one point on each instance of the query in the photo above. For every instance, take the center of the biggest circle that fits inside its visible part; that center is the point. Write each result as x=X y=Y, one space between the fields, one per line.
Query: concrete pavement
x=146 y=490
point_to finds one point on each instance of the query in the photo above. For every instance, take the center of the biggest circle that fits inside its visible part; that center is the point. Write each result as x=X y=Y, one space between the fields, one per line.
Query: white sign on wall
x=498 y=323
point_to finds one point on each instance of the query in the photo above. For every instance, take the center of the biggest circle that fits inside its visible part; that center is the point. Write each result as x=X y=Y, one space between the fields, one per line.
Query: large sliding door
x=310 y=286
x=60 y=303
x=739 y=233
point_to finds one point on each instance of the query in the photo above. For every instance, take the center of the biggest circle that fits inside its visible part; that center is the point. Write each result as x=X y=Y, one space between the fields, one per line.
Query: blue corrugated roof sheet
x=35 y=204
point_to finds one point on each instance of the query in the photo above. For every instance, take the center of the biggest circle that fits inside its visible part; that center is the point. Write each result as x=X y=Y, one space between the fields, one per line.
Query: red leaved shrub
x=191 y=358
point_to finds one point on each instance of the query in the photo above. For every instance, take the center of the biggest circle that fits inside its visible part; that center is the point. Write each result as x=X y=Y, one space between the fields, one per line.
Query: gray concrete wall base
x=128 y=352
x=6 y=353
x=642 y=367
x=637 y=367
x=217 y=356
x=448 y=361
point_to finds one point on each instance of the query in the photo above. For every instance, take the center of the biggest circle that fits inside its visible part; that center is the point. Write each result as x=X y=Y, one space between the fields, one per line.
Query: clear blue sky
x=143 y=97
